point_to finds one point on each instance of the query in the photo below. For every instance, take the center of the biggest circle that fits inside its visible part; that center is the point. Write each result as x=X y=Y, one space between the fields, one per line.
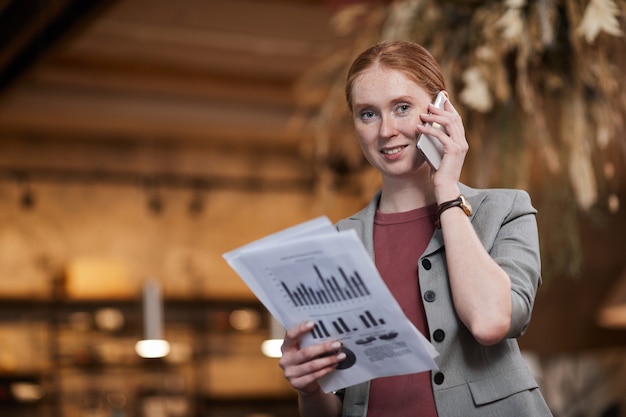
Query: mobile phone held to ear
x=430 y=146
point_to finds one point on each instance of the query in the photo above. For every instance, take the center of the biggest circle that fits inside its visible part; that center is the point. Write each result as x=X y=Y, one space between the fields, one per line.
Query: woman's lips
x=393 y=151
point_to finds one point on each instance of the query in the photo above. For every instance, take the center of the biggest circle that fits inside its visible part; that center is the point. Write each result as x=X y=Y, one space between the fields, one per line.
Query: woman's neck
x=404 y=195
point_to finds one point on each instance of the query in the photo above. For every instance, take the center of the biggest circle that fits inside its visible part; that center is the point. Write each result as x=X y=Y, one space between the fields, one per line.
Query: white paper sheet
x=313 y=272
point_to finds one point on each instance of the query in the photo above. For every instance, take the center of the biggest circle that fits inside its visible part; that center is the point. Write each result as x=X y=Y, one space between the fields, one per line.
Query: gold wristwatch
x=460 y=201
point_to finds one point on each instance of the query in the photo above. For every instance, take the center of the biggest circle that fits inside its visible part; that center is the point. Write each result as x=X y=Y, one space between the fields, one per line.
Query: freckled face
x=386 y=107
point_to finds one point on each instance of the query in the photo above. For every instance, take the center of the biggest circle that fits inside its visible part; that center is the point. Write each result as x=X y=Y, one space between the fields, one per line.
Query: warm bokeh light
x=152 y=348
x=271 y=348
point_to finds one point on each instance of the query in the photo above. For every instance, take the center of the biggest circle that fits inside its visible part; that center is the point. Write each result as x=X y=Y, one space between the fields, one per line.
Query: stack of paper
x=314 y=272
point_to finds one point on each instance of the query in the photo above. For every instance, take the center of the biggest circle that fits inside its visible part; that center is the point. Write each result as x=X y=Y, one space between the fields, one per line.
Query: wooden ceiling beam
x=181 y=165
x=29 y=28
x=248 y=20
x=263 y=65
x=137 y=78
x=258 y=40
x=143 y=117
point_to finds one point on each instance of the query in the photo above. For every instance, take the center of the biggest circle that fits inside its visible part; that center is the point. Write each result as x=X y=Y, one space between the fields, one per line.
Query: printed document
x=314 y=272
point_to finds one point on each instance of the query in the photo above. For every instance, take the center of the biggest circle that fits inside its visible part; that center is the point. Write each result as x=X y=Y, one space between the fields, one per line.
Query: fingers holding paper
x=303 y=367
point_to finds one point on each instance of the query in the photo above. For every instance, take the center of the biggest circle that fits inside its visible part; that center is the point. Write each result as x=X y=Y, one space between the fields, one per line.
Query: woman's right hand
x=303 y=367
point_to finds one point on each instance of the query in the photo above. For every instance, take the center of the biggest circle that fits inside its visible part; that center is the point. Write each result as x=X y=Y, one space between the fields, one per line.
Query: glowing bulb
x=152 y=348
x=271 y=348
x=153 y=345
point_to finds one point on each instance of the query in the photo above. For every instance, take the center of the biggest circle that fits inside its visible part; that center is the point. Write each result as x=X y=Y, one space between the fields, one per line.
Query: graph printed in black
x=346 y=324
x=326 y=289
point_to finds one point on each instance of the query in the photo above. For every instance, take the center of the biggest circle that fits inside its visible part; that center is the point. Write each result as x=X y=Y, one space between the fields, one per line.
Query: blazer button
x=439 y=378
x=430 y=296
x=439 y=335
x=426 y=264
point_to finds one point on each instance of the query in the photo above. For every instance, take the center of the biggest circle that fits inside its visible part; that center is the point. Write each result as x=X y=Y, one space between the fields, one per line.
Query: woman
x=463 y=263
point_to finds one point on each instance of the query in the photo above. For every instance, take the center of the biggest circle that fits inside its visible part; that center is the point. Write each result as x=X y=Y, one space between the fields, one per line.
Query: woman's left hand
x=454 y=143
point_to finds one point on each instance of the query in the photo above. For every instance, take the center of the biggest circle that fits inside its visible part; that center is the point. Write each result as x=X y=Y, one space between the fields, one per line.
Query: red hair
x=404 y=56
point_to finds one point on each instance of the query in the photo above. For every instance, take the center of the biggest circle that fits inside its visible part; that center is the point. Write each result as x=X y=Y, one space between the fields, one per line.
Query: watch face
x=466 y=206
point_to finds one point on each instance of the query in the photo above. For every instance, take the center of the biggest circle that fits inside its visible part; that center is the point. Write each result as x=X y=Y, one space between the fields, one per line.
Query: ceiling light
x=153 y=345
x=271 y=347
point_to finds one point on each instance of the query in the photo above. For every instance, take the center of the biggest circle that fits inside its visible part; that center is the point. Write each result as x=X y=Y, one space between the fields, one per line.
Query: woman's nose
x=387 y=127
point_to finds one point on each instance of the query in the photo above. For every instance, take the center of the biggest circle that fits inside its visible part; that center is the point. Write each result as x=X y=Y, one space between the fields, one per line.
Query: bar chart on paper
x=329 y=289
x=318 y=284
x=332 y=292
x=347 y=323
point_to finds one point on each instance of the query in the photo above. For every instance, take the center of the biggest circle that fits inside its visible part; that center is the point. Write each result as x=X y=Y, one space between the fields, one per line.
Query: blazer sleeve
x=514 y=245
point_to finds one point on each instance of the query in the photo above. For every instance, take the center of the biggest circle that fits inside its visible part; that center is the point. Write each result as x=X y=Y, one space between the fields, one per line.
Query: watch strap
x=449 y=204
x=457 y=202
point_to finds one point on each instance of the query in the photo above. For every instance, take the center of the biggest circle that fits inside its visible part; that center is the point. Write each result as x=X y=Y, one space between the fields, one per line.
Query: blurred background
x=142 y=139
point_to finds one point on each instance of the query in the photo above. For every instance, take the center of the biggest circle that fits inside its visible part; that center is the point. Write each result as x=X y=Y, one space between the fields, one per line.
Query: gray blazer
x=473 y=380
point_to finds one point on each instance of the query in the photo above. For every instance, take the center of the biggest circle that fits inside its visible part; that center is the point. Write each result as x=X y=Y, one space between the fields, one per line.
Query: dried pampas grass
x=600 y=16
x=544 y=103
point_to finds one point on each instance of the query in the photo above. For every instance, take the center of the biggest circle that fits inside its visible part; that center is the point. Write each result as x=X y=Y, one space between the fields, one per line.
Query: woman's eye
x=367 y=114
x=403 y=108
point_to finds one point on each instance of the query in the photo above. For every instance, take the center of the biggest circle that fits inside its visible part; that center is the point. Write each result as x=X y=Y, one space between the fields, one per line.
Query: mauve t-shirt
x=399 y=240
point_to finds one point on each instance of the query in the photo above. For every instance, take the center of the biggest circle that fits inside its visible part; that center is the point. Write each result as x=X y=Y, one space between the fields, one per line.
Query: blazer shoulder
x=364 y=216
x=514 y=201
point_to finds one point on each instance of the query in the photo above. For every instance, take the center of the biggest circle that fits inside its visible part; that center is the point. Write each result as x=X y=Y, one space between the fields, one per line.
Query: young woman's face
x=386 y=108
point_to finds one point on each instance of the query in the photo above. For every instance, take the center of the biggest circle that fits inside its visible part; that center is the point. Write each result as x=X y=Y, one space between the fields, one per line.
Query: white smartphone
x=430 y=146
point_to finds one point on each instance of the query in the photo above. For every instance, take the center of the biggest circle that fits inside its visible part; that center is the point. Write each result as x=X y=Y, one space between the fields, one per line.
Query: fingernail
x=341 y=356
x=336 y=345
